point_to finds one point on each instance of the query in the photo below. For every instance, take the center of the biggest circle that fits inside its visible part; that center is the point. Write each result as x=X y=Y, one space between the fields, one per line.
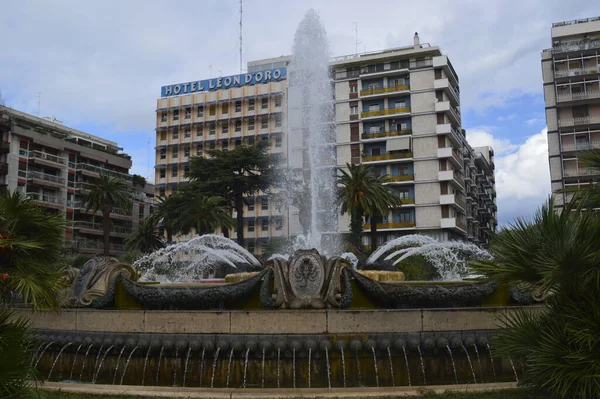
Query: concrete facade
x=571 y=78
x=54 y=165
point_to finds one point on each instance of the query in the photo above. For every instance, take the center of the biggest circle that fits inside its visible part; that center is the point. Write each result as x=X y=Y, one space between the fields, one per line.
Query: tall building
x=397 y=110
x=571 y=75
x=54 y=165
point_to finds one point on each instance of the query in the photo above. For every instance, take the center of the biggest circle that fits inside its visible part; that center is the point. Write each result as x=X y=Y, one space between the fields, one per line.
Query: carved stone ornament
x=94 y=279
x=306 y=280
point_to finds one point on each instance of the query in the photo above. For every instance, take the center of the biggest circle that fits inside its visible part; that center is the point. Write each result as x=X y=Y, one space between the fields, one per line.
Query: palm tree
x=363 y=193
x=587 y=197
x=557 y=256
x=203 y=214
x=166 y=212
x=145 y=238
x=106 y=193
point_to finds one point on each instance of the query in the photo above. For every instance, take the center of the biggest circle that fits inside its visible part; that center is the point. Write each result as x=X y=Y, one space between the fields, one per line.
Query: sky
x=99 y=65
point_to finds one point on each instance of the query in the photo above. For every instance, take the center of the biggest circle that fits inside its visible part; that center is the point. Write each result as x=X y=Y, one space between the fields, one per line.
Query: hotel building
x=397 y=110
x=54 y=165
x=571 y=76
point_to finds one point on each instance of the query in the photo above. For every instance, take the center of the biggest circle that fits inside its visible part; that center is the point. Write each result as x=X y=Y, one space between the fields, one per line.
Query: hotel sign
x=227 y=82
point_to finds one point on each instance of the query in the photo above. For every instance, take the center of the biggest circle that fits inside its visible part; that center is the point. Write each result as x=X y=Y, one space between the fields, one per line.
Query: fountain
x=308 y=318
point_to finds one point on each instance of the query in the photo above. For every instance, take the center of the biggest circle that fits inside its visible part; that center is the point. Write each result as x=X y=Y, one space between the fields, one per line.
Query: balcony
x=367 y=136
x=444 y=62
x=450 y=131
x=97 y=228
x=451 y=154
x=385 y=112
x=585 y=120
x=43 y=158
x=453 y=223
x=387 y=156
x=89 y=246
x=592 y=145
x=576 y=72
x=588 y=95
x=581 y=172
x=451 y=176
x=453 y=112
x=576 y=46
x=4 y=147
x=43 y=178
x=445 y=84
x=96 y=171
x=46 y=199
x=400 y=178
x=3 y=168
x=452 y=199
x=115 y=212
x=383 y=90
x=4 y=124
x=392 y=225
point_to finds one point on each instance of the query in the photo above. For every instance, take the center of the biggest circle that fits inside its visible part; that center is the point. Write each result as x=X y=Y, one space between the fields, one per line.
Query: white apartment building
x=571 y=75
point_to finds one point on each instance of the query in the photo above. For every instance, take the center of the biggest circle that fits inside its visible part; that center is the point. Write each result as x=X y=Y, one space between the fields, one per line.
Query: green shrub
x=417 y=268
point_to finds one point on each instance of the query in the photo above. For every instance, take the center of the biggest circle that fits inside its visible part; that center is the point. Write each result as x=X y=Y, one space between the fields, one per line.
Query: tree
x=105 y=194
x=587 y=197
x=363 y=193
x=145 y=238
x=557 y=256
x=165 y=213
x=233 y=175
x=31 y=243
x=203 y=214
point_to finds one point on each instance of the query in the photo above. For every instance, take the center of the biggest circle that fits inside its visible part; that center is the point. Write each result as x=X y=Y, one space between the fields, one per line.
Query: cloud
x=534 y=121
x=509 y=117
x=522 y=173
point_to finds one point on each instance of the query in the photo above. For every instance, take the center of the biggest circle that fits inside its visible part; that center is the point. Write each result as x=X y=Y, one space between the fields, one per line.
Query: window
x=187 y=133
x=238 y=106
x=176 y=115
x=438 y=73
x=264 y=225
x=163 y=153
x=200 y=111
x=264 y=204
x=225 y=146
x=225 y=108
x=353 y=110
x=212 y=110
x=199 y=150
x=251 y=141
x=581 y=111
x=163 y=135
x=225 y=129
x=251 y=247
x=251 y=105
x=175 y=134
x=251 y=204
x=188 y=113
x=354 y=89
x=278 y=121
x=161 y=192
x=278 y=102
x=251 y=124
x=212 y=146
x=199 y=132
x=264 y=104
x=186 y=152
x=238 y=143
x=174 y=171
x=400 y=104
x=213 y=128
x=250 y=226
x=163 y=117
x=279 y=224
x=277 y=141
x=238 y=126
x=264 y=123
x=175 y=153
x=162 y=173
x=186 y=171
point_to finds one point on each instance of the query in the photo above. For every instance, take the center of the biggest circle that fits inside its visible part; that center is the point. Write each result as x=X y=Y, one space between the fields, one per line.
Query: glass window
x=174 y=172
x=238 y=126
x=162 y=173
x=213 y=109
x=186 y=152
x=264 y=123
x=200 y=132
x=225 y=146
x=251 y=124
x=163 y=117
x=238 y=106
x=200 y=111
x=264 y=204
x=225 y=129
x=251 y=105
x=163 y=153
x=353 y=89
x=278 y=141
x=278 y=102
x=188 y=113
x=187 y=133
x=278 y=121
x=353 y=110
x=186 y=171
x=175 y=153
x=264 y=103
x=176 y=115
x=213 y=128
x=175 y=134
x=199 y=150
x=251 y=204
x=163 y=135
x=278 y=224
x=251 y=226
x=225 y=108
x=212 y=146
x=264 y=225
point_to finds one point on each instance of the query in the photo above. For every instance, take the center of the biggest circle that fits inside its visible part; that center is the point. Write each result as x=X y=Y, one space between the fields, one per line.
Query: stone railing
x=366 y=136
x=382 y=112
x=383 y=157
x=585 y=120
x=578 y=96
x=383 y=89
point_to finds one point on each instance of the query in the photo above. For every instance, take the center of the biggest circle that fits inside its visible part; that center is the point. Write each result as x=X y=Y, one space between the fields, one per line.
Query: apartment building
x=571 y=76
x=223 y=113
x=54 y=165
x=397 y=110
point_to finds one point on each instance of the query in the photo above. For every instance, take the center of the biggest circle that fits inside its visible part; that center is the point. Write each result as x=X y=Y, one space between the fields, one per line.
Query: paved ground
x=169 y=392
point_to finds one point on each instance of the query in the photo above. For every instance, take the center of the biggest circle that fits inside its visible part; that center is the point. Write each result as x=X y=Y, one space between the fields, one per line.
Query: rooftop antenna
x=241 y=36
x=39 y=100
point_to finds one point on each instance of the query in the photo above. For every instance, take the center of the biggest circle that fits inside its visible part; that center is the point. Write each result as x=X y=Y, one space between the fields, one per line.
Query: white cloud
x=522 y=173
x=480 y=137
x=533 y=121
x=509 y=117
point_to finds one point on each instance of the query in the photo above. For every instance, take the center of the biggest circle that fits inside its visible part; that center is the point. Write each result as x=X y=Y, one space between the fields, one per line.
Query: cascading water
x=328 y=368
x=359 y=376
x=478 y=361
x=311 y=142
x=470 y=363
x=278 y=365
x=58 y=357
x=514 y=369
x=422 y=365
x=343 y=365
x=84 y=361
x=74 y=361
x=42 y=354
x=127 y=365
x=406 y=363
x=453 y=364
x=35 y=353
x=117 y=367
x=185 y=368
x=389 y=352
x=491 y=360
x=229 y=366
x=375 y=366
x=214 y=369
x=96 y=362
x=201 y=366
x=175 y=367
x=158 y=364
x=246 y=366
x=309 y=371
x=294 y=365
x=145 y=365
x=101 y=362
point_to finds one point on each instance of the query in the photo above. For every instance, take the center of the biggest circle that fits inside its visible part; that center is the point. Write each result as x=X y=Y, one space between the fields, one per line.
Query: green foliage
x=417 y=268
x=145 y=238
x=31 y=242
x=363 y=193
x=201 y=213
x=165 y=214
x=556 y=255
x=108 y=192
x=233 y=175
x=77 y=260
x=17 y=376
x=130 y=256
x=139 y=181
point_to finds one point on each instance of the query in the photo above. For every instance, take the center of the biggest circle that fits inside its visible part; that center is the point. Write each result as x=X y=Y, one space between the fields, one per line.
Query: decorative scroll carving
x=306 y=280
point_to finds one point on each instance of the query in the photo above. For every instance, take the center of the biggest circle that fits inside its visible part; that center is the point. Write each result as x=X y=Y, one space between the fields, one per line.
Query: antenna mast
x=241 y=36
